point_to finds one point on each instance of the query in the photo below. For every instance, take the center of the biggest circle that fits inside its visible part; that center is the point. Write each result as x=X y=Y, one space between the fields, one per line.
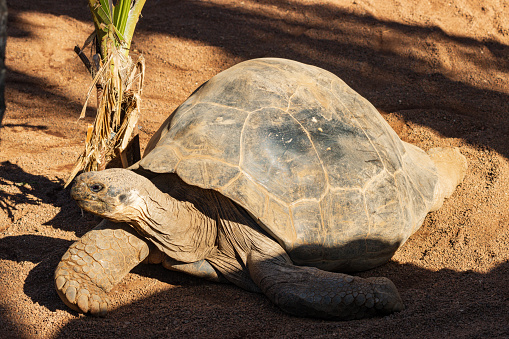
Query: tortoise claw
x=76 y=290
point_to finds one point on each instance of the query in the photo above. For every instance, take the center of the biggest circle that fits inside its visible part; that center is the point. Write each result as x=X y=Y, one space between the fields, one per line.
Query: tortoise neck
x=176 y=227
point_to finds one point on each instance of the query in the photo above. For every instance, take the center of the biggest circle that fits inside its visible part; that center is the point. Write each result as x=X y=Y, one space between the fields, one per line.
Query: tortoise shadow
x=186 y=306
x=189 y=307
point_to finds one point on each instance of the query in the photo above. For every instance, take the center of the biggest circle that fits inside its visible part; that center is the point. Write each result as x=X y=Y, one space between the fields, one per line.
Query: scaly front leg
x=93 y=265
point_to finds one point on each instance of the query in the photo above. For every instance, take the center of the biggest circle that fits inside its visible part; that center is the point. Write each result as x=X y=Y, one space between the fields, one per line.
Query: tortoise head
x=113 y=194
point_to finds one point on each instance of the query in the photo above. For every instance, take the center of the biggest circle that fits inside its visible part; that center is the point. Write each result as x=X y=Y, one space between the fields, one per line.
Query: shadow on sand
x=383 y=60
x=32 y=189
x=187 y=306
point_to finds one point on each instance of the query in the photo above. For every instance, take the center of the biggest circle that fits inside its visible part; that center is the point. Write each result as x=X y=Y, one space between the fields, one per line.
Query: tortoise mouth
x=93 y=206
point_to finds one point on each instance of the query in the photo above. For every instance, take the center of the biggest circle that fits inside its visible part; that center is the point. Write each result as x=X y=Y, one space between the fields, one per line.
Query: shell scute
x=279 y=154
x=278 y=213
x=241 y=85
x=342 y=211
x=247 y=193
x=309 y=231
x=162 y=159
x=384 y=212
x=209 y=130
x=207 y=172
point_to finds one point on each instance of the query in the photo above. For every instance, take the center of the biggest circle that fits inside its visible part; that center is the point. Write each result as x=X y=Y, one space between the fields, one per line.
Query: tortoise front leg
x=93 y=265
x=310 y=292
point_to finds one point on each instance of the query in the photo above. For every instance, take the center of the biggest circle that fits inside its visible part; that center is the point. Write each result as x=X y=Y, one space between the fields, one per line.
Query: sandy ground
x=436 y=70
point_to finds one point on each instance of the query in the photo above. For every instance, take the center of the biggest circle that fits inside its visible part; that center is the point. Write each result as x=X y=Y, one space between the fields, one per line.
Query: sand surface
x=436 y=70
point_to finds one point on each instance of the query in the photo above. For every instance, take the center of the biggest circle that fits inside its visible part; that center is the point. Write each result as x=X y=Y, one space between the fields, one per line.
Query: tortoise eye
x=96 y=187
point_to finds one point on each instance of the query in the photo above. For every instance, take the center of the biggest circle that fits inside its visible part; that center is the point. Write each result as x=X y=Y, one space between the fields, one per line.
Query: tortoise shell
x=310 y=159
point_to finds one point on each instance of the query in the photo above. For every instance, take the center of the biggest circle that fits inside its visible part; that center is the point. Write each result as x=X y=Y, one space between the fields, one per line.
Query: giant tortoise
x=273 y=175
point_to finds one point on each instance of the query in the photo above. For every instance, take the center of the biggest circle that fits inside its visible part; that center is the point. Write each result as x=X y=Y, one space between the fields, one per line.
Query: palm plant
x=118 y=80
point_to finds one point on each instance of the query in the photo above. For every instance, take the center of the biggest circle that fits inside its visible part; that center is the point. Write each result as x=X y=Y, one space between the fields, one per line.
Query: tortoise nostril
x=96 y=187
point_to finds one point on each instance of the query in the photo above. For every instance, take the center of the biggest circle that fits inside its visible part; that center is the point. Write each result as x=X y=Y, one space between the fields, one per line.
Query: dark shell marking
x=306 y=155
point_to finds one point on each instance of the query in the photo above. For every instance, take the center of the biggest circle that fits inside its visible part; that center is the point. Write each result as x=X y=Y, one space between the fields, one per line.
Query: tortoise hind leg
x=310 y=292
x=93 y=265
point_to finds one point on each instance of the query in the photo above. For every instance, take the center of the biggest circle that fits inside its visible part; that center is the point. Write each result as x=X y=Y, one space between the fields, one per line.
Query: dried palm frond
x=119 y=83
x=117 y=115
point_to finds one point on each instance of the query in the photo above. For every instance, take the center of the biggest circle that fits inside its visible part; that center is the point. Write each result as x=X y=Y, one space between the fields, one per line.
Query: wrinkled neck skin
x=176 y=227
x=189 y=224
